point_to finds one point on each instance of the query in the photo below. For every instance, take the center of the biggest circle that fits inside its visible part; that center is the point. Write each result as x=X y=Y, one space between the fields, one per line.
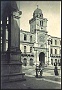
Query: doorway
x=42 y=57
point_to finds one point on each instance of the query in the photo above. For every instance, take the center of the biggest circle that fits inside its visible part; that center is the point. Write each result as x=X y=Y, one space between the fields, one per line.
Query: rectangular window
x=7 y=20
x=1 y=21
x=24 y=49
x=31 y=38
x=30 y=49
x=55 y=42
x=51 y=51
x=55 y=60
x=41 y=23
x=55 y=51
x=25 y=62
x=58 y=61
x=51 y=41
x=52 y=61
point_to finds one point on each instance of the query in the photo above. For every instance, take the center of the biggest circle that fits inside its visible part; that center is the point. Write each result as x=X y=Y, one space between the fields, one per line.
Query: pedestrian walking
x=55 y=64
x=41 y=69
x=36 y=70
x=56 y=71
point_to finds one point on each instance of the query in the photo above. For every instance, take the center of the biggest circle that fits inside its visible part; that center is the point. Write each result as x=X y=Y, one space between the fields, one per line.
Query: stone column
x=3 y=33
x=9 y=33
x=12 y=65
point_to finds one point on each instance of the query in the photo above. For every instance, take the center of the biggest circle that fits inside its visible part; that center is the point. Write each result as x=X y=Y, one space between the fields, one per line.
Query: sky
x=50 y=9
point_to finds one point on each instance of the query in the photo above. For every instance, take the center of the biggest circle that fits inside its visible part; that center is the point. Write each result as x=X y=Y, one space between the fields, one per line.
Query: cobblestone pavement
x=48 y=73
x=32 y=83
x=48 y=81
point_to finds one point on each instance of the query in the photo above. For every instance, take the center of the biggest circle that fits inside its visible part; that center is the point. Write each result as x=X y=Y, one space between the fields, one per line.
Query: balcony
x=28 y=54
x=55 y=55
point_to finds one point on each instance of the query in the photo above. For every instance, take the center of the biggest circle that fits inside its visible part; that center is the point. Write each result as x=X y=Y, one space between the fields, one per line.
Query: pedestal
x=11 y=68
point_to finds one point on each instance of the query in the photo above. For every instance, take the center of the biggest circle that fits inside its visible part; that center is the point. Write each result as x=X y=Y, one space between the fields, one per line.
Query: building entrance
x=42 y=57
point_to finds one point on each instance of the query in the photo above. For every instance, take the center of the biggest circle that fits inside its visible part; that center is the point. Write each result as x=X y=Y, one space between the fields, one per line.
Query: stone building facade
x=55 y=50
x=37 y=46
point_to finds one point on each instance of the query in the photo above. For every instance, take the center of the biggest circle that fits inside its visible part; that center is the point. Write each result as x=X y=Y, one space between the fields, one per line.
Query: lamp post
x=49 y=41
x=36 y=61
x=36 y=54
x=35 y=49
x=36 y=64
x=36 y=57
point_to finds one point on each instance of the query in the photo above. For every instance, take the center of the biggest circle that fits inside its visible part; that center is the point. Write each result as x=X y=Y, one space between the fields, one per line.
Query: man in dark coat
x=56 y=70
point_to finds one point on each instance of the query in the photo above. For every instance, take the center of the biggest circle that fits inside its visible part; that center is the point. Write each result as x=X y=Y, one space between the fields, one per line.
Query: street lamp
x=36 y=54
x=49 y=41
x=36 y=61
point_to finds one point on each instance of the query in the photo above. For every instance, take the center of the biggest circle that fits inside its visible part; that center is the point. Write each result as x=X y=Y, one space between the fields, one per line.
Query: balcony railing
x=55 y=55
x=27 y=54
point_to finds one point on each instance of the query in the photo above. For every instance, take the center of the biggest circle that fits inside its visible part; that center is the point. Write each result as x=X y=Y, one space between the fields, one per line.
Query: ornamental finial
x=37 y=6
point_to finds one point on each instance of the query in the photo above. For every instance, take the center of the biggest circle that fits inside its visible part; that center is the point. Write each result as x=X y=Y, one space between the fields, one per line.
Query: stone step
x=13 y=77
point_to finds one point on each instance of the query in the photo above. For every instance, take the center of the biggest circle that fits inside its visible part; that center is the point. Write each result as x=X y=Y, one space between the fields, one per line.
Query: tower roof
x=37 y=11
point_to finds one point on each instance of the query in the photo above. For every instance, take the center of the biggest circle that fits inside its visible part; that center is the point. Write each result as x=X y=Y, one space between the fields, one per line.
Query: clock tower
x=38 y=26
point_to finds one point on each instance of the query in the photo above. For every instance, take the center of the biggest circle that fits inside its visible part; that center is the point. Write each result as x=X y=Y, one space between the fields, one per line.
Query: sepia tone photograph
x=30 y=44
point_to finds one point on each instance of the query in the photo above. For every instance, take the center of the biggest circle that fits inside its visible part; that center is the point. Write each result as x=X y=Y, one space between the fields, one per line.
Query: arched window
x=55 y=60
x=31 y=61
x=24 y=49
x=41 y=23
x=25 y=37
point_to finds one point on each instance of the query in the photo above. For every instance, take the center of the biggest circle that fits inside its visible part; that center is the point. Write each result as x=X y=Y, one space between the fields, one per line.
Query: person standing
x=56 y=71
x=41 y=69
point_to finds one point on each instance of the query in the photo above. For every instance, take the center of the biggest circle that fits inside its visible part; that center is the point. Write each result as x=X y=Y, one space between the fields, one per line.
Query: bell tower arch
x=37 y=22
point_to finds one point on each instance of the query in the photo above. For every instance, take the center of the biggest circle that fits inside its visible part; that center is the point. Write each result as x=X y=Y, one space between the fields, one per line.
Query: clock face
x=41 y=39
